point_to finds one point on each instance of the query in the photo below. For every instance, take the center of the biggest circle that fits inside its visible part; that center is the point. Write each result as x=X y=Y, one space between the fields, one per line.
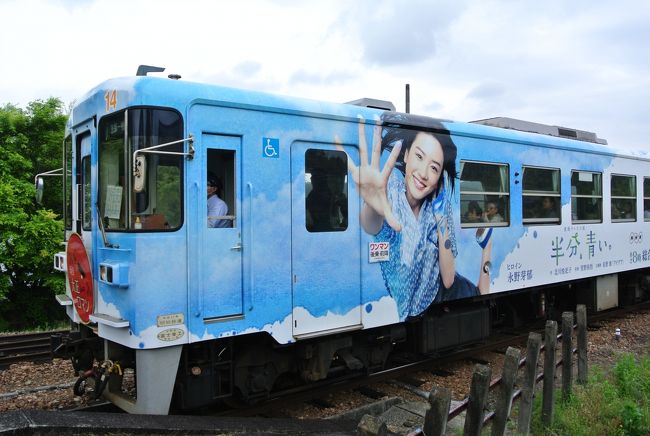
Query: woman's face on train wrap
x=423 y=167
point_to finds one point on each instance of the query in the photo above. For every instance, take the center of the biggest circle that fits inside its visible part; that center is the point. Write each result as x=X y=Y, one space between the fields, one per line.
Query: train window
x=623 y=190
x=646 y=198
x=67 y=181
x=221 y=188
x=159 y=205
x=326 y=191
x=112 y=177
x=586 y=197
x=541 y=195
x=85 y=177
x=484 y=194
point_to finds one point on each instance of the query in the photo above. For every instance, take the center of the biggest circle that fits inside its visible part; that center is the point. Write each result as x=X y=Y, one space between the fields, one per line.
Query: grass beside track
x=613 y=403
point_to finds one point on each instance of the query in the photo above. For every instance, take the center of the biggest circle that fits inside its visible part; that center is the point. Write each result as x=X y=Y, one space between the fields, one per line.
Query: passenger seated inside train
x=492 y=214
x=548 y=209
x=474 y=213
x=217 y=208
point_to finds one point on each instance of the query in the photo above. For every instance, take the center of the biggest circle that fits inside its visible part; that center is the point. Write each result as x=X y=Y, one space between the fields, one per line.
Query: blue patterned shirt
x=412 y=272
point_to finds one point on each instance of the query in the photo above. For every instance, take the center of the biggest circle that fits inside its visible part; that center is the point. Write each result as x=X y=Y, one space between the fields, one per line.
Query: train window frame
x=617 y=200
x=575 y=197
x=130 y=213
x=646 y=199
x=338 y=202
x=536 y=197
x=500 y=198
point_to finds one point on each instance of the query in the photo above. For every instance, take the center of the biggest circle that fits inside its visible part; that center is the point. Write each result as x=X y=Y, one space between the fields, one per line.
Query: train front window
x=158 y=206
x=112 y=176
x=586 y=197
x=623 y=189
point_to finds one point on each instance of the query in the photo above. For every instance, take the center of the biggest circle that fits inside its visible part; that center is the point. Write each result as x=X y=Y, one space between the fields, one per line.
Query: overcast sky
x=576 y=63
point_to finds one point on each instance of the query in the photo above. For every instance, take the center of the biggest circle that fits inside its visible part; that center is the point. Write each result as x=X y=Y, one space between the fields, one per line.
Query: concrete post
x=528 y=388
x=567 y=353
x=582 y=344
x=504 y=402
x=548 y=399
x=477 y=398
x=435 y=420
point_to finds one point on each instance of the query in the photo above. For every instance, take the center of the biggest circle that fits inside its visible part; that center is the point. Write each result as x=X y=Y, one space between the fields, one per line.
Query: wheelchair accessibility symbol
x=271 y=147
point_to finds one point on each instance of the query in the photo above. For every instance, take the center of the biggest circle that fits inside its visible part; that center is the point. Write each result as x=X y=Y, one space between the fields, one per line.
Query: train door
x=220 y=233
x=79 y=250
x=326 y=271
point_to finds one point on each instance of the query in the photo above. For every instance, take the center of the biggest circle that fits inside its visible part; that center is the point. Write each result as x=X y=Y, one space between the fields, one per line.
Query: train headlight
x=196 y=370
x=106 y=273
x=60 y=261
x=114 y=274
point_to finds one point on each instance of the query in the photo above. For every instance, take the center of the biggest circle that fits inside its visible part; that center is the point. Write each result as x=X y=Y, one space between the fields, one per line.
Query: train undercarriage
x=250 y=368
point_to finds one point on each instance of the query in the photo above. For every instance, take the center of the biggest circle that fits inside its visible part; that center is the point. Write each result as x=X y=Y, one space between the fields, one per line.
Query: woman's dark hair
x=404 y=128
x=215 y=182
x=474 y=207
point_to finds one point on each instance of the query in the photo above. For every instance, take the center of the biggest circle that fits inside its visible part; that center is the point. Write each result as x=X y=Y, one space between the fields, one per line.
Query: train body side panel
x=533 y=255
x=268 y=272
x=294 y=281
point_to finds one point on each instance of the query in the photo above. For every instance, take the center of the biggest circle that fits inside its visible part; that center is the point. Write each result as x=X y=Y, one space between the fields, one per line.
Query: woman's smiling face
x=423 y=161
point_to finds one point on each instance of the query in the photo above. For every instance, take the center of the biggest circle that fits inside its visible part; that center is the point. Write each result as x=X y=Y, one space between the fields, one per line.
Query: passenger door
x=220 y=248
x=326 y=281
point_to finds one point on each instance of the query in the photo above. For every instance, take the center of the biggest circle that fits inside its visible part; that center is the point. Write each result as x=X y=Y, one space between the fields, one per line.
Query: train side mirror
x=40 y=185
x=139 y=173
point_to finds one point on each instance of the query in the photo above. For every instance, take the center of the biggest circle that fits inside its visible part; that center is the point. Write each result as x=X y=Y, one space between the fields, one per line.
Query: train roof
x=180 y=94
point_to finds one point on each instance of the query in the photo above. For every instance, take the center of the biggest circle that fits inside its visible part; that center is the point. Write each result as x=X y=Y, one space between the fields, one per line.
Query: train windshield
x=158 y=206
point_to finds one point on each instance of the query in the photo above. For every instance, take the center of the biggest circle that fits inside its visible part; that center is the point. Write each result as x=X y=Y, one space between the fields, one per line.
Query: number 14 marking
x=111 y=100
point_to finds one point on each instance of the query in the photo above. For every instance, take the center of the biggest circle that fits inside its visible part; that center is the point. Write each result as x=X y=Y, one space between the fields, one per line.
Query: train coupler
x=94 y=380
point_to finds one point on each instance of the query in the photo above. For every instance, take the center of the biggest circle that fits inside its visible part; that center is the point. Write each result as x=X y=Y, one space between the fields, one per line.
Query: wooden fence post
x=528 y=388
x=548 y=398
x=477 y=398
x=582 y=344
x=567 y=353
x=435 y=419
x=372 y=426
x=504 y=402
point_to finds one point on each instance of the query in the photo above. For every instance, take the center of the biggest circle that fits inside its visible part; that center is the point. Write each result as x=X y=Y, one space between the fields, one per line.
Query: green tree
x=30 y=142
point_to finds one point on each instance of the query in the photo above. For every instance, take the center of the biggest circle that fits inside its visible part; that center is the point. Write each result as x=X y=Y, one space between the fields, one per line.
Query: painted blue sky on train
x=580 y=64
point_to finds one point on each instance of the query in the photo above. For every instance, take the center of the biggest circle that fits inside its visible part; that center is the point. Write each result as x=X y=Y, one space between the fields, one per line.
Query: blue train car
x=220 y=242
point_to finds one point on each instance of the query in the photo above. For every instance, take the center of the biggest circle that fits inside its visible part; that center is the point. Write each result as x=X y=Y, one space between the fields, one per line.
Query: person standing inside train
x=408 y=205
x=217 y=208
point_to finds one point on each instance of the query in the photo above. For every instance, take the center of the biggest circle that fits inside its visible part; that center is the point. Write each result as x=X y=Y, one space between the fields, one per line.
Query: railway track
x=34 y=347
x=498 y=343
x=277 y=407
